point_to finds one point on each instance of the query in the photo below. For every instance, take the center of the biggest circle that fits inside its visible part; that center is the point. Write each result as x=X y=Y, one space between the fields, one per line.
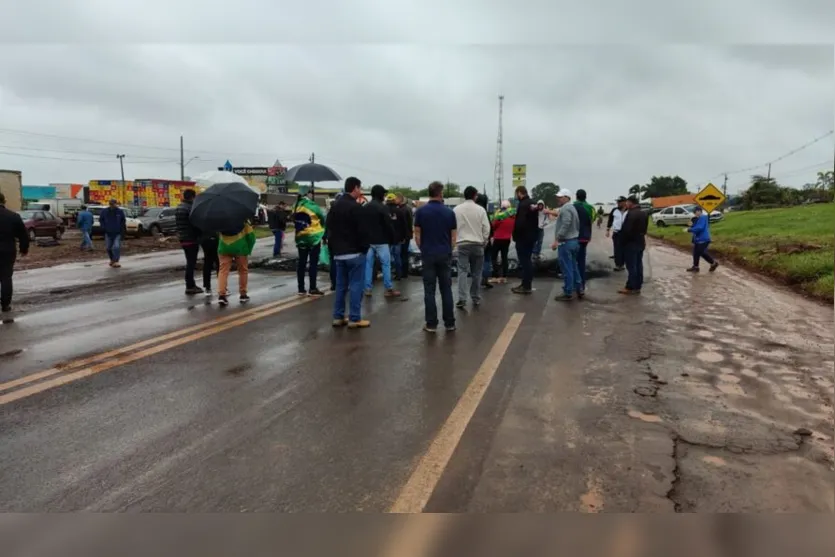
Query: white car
x=681 y=215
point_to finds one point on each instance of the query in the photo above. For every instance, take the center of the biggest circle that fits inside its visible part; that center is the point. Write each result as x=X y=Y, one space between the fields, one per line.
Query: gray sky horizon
x=592 y=116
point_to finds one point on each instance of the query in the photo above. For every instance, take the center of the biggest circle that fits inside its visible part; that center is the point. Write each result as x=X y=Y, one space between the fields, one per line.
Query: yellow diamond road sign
x=519 y=170
x=710 y=198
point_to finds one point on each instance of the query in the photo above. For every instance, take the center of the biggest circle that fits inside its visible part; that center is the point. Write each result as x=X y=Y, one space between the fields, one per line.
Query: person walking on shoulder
x=633 y=234
x=586 y=214
x=435 y=236
x=567 y=244
x=13 y=238
x=525 y=233
x=84 y=222
x=308 y=218
x=701 y=241
x=473 y=233
x=234 y=247
x=189 y=237
x=504 y=222
x=113 y=223
x=346 y=239
x=277 y=219
x=381 y=236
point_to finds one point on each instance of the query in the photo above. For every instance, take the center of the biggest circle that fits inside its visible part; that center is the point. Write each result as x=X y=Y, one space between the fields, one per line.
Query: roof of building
x=670 y=200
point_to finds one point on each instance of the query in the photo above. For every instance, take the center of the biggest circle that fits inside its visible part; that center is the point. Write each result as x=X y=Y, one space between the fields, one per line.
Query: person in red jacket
x=503 y=223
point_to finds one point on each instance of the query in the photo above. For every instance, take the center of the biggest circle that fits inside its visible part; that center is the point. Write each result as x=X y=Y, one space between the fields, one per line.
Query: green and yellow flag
x=502 y=214
x=237 y=244
x=309 y=220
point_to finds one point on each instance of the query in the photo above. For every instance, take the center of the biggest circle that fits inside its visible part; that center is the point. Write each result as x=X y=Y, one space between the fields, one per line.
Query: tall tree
x=662 y=186
x=547 y=192
x=762 y=191
x=636 y=189
x=826 y=180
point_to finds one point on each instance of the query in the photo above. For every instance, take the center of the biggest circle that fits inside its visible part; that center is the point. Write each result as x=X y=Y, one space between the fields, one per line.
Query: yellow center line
x=415 y=494
x=202 y=331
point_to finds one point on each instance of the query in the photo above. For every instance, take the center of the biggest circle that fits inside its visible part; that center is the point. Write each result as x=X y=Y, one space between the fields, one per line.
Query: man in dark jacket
x=584 y=214
x=189 y=237
x=408 y=218
x=525 y=233
x=113 y=223
x=277 y=219
x=633 y=234
x=13 y=237
x=380 y=231
x=398 y=221
x=347 y=243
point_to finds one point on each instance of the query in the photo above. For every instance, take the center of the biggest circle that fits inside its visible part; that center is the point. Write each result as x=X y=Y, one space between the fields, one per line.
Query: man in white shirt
x=613 y=229
x=473 y=235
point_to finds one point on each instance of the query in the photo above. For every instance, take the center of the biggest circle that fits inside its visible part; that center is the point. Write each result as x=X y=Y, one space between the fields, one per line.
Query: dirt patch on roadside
x=67 y=250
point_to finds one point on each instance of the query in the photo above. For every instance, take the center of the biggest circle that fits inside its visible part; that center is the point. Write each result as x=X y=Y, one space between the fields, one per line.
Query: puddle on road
x=12 y=353
x=715 y=460
x=649 y=418
x=710 y=357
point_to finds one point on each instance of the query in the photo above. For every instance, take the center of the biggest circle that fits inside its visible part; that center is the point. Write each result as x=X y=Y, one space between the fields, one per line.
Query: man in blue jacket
x=701 y=240
x=84 y=222
x=113 y=223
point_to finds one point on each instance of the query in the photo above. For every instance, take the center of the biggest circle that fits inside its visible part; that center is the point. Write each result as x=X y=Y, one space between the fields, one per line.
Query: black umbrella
x=224 y=207
x=312 y=172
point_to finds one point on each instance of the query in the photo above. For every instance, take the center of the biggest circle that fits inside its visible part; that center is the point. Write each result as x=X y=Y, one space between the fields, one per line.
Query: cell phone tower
x=498 y=172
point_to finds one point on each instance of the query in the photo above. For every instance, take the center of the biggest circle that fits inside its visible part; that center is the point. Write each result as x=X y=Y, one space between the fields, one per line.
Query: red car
x=42 y=224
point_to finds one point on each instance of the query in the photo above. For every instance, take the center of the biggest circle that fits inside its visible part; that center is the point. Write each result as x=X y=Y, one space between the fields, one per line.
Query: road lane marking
x=98 y=368
x=417 y=491
x=69 y=366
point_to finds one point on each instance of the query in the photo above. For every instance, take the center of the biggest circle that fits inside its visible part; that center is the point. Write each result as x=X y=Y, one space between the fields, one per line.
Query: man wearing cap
x=586 y=213
x=567 y=244
x=381 y=236
x=613 y=229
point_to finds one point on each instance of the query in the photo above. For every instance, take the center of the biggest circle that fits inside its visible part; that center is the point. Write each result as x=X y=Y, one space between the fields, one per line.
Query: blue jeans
x=634 y=259
x=567 y=256
x=86 y=240
x=279 y=239
x=350 y=274
x=308 y=261
x=437 y=271
x=113 y=245
x=581 y=262
x=383 y=253
x=524 y=251
x=396 y=262
x=537 y=247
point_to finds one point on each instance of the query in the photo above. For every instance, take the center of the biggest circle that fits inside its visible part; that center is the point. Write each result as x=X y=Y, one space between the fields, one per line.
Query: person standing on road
x=331 y=265
x=525 y=233
x=567 y=244
x=543 y=217
x=633 y=237
x=613 y=229
x=189 y=237
x=113 y=224
x=701 y=241
x=408 y=216
x=84 y=222
x=381 y=236
x=211 y=263
x=234 y=246
x=473 y=234
x=398 y=221
x=586 y=215
x=504 y=222
x=435 y=236
x=308 y=217
x=345 y=234
x=13 y=237
x=487 y=269
x=277 y=219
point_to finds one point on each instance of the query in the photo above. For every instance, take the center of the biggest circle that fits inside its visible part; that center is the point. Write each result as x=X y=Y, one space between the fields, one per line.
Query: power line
x=76 y=152
x=77 y=160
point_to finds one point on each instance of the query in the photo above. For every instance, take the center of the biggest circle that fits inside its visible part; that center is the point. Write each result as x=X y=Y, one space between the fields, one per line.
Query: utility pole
x=122 y=168
x=182 y=161
x=498 y=171
x=312 y=184
x=769 y=172
x=725 y=187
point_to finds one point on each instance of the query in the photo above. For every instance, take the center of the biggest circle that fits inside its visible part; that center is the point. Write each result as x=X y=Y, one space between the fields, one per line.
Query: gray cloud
x=596 y=116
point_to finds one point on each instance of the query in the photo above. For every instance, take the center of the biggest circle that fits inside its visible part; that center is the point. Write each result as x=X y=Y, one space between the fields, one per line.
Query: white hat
x=564 y=193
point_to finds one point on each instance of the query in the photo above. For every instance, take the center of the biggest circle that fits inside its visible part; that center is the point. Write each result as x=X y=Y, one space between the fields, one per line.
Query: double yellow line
x=73 y=370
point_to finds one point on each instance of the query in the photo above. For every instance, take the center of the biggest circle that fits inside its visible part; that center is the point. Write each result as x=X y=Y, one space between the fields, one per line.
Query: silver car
x=680 y=215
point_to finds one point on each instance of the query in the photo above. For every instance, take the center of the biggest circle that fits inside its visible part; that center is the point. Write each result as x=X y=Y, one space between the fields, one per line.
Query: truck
x=64 y=209
x=11 y=186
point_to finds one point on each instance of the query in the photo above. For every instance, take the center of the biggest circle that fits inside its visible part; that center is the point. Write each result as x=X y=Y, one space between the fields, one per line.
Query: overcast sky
x=588 y=115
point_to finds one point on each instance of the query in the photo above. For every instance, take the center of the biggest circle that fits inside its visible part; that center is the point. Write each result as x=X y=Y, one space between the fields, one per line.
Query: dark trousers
x=500 y=247
x=524 y=251
x=404 y=258
x=700 y=252
x=6 y=268
x=581 y=262
x=191 y=251
x=634 y=260
x=618 y=247
x=278 y=234
x=437 y=270
x=308 y=262
x=211 y=263
x=333 y=273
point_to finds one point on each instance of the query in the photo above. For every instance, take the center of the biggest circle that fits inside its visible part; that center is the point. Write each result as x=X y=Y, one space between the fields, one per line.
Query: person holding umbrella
x=234 y=246
x=308 y=218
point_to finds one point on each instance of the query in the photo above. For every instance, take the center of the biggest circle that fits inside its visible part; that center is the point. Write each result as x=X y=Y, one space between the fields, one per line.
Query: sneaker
x=367 y=293
x=194 y=290
x=449 y=328
x=336 y=323
x=521 y=290
x=461 y=304
x=116 y=265
x=392 y=293
x=244 y=298
x=476 y=302
x=618 y=269
x=429 y=329
x=315 y=293
x=713 y=267
x=6 y=309
x=581 y=294
x=207 y=290
x=564 y=298
x=693 y=270
x=223 y=300
x=302 y=293
x=361 y=324
x=486 y=285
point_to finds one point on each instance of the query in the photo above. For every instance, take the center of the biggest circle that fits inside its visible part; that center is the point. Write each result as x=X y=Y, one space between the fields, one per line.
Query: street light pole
x=122 y=167
x=182 y=163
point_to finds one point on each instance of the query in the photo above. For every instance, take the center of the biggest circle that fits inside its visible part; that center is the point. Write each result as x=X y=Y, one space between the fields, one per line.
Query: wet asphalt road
x=690 y=397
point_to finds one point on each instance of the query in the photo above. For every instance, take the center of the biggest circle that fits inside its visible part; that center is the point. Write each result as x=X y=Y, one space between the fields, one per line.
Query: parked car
x=42 y=224
x=159 y=220
x=680 y=215
x=133 y=226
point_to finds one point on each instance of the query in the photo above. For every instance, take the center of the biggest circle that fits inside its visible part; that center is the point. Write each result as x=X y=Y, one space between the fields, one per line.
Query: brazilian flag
x=309 y=221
